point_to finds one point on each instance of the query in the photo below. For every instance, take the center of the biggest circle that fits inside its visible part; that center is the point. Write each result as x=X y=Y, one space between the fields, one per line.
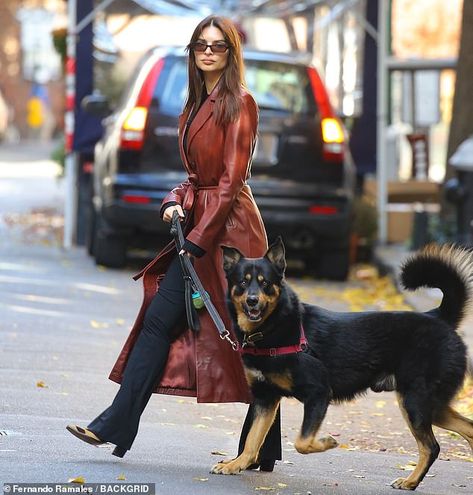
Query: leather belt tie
x=278 y=351
x=193 y=190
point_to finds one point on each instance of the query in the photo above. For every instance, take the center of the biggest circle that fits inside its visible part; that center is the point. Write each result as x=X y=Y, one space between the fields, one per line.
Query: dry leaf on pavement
x=77 y=479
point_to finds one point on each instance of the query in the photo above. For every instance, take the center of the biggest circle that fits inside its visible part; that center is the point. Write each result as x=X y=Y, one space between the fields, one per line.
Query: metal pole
x=70 y=204
x=382 y=100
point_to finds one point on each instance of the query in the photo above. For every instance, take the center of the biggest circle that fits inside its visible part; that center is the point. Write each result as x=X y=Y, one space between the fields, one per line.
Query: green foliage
x=59 y=154
x=365 y=222
x=60 y=43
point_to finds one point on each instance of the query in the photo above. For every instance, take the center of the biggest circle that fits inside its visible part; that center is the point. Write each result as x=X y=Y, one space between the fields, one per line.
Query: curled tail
x=448 y=268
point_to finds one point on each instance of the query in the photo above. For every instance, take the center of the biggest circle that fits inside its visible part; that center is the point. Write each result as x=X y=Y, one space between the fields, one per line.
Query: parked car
x=302 y=172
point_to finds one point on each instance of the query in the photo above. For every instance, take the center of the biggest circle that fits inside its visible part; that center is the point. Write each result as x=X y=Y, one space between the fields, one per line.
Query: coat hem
x=183 y=392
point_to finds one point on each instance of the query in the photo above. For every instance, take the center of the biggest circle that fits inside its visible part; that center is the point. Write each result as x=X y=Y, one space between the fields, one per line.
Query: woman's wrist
x=193 y=249
x=165 y=206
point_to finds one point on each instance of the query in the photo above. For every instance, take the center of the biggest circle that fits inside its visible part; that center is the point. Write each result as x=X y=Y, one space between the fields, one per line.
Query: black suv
x=302 y=172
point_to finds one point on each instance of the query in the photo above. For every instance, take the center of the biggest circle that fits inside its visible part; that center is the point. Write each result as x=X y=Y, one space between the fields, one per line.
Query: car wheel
x=331 y=265
x=109 y=248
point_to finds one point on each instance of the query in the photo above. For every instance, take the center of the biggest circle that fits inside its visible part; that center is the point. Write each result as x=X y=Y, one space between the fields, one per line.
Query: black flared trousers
x=118 y=424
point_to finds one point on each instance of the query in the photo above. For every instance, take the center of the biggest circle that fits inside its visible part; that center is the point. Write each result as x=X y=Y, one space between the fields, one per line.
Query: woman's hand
x=167 y=215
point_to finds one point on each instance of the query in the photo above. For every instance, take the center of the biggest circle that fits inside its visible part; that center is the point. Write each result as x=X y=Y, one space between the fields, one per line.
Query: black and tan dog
x=322 y=357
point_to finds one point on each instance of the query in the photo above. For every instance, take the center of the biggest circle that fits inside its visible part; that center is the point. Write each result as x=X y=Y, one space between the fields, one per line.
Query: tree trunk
x=461 y=126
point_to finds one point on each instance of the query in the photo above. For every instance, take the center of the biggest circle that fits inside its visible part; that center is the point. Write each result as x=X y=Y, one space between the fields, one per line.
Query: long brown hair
x=228 y=104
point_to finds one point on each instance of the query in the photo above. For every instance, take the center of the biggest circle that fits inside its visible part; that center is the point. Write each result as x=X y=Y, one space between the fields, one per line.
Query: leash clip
x=226 y=336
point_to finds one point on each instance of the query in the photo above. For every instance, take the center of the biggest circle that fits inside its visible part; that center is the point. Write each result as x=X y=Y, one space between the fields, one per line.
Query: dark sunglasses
x=200 y=47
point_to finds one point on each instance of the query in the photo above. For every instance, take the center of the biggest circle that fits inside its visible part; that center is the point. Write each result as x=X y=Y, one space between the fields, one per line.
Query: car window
x=280 y=86
x=171 y=89
x=274 y=85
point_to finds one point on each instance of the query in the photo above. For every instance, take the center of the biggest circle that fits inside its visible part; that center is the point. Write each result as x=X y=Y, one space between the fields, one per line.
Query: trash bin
x=459 y=190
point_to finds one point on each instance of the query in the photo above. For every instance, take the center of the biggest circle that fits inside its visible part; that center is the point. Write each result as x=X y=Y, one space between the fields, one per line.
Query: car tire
x=331 y=264
x=109 y=248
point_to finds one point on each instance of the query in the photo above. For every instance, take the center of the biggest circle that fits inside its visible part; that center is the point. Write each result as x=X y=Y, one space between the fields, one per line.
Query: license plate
x=266 y=152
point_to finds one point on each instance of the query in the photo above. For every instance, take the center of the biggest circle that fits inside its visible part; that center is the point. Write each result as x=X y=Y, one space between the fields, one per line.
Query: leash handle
x=176 y=230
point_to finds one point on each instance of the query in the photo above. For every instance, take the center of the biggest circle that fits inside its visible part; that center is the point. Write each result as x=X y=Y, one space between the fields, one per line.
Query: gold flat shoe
x=84 y=434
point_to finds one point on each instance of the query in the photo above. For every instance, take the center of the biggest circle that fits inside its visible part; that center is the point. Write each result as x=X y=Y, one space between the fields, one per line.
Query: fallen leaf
x=407 y=467
x=282 y=485
x=97 y=324
x=218 y=452
x=41 y=384
x=200 y=426
x=120 y=321
x=77 y=479
x=380 y=404
x=201 y=479
x=121 y=477
x=264 y=488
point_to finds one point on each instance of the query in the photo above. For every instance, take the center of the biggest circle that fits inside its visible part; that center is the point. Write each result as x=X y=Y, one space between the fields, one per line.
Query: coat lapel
x=182 y=126
x=204 y=114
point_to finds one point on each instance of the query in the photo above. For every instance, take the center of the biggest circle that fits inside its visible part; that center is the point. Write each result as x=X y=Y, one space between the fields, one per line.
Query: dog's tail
x=448 y=268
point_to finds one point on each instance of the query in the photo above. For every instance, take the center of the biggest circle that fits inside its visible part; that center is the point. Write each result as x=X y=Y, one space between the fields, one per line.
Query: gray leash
x=194 y=286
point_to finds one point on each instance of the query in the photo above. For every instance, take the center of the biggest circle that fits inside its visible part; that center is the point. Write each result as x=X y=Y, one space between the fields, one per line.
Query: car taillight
x=333 y=134
x=323 y=210
x=135 y=198
x=133 y=127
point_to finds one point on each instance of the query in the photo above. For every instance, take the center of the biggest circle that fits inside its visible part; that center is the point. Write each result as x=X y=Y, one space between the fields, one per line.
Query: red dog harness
x=277 y=351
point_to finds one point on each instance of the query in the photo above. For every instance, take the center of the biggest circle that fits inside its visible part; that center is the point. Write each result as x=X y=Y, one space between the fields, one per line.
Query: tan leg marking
x=258 y=431
x=453 y=421
x=283 y=381
x=423 y=464
x=311 y=444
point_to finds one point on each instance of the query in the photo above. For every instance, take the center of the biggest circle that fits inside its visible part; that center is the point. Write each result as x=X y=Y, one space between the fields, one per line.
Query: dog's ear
x=231 y=256
x=277 y=254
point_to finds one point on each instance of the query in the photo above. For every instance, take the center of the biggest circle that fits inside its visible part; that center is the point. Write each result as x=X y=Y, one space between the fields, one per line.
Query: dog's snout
x=252 y=300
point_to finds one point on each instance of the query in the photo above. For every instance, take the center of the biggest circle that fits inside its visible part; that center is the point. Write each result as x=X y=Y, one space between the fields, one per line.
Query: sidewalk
x=389 y=259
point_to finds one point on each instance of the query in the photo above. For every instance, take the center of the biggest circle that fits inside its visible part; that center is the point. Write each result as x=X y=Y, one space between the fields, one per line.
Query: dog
x=293 y=349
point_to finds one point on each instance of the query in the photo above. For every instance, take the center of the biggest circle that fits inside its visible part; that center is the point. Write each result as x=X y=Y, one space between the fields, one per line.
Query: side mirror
x=96 y=104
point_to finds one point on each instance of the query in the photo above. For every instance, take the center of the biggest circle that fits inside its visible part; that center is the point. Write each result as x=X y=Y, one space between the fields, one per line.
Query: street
x=63 y=323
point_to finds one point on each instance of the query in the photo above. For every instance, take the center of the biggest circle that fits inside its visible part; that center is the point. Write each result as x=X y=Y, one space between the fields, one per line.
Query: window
x=279 y=86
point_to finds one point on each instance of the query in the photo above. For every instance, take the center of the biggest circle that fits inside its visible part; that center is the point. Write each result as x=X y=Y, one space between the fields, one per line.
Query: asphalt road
x=63 y=321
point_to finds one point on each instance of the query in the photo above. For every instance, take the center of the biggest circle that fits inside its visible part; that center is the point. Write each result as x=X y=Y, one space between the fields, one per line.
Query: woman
x=217 y=134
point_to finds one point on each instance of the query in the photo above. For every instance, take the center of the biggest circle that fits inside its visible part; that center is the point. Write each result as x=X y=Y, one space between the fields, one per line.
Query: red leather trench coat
x=222 y=210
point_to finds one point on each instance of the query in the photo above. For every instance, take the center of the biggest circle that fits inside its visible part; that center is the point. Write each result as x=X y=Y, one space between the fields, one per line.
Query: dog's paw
x=329 y=442
x=226 y=467
x=403 y=484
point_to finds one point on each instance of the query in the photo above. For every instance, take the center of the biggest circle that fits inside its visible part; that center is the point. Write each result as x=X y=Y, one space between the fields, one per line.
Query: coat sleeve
x=175 y=196
x=240 y=139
